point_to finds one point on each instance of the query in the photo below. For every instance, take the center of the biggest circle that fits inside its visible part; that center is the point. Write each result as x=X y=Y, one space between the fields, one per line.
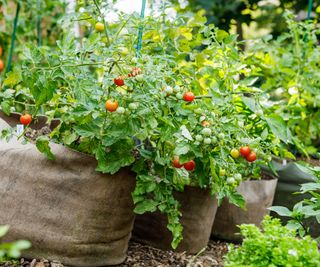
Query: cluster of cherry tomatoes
x=119 y=81
x=245 y=152
x=189 y=165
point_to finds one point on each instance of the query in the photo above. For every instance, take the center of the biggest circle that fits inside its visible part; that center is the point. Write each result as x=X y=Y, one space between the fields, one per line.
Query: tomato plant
x=287 y=70
x=154 y=117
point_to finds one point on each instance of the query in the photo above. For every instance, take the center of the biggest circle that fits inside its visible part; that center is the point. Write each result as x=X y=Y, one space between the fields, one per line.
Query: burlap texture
x=198 y=211
x=258 y=196
x=67 y=210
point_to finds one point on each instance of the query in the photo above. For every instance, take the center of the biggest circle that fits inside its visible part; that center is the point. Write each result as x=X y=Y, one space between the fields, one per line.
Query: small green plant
x=308 y=207
x=9 y=251
x=274 y=245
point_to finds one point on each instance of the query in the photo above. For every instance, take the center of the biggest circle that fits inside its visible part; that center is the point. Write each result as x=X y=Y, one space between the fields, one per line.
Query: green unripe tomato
x=168 y=90
x=206 y=132
x=231 y=180
x=221 y=136
x=199 y=137
x=120 y=110
x=214 y=140
x=207 y=141
x=222 y=172
x=198 y=111
x=133 y=106
x=176 y=89
x=238 y=177
x=139 y=78
x=179 y=95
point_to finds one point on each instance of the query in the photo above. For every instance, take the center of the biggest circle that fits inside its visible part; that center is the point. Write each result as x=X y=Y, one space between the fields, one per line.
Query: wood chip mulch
x=142 y=255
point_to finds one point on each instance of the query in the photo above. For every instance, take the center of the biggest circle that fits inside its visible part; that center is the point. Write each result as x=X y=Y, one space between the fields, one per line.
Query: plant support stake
x=309 y=9
x=13 y=37
x=139 y=45
x=39 y=22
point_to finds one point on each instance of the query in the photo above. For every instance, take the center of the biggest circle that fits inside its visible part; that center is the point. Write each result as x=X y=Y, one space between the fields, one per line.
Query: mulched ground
x=141 y=255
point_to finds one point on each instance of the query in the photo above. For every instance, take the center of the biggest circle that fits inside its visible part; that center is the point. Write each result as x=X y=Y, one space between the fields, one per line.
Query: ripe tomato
x=189 y=165
x=1 y=65
x=1 y=50
x=111 y=105
x=188 y=96
x=251 y=157
x=118 y=81
x=176 y=163
x=99 y=27
x=25 y=119
x=245 y=151
x=205 y=123
x=235 y=153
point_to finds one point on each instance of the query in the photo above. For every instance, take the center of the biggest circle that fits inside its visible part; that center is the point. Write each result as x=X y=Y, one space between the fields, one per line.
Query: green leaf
x=42 y=144
x=181 y=149
x=69 y=138
x=252 y=104
x=279 y=128
x=3 y=230
x=145 y=206
x=13 y=77
x=282 y=211
x=5 y=106
x=119 y=155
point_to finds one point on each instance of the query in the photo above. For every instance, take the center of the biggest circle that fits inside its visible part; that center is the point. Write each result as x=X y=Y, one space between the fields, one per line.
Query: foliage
x=274 y=245
x=10 y=251
x=307 y=208
x=267 y=14
x=289 y=73
x=27 y=28
x=152 y=123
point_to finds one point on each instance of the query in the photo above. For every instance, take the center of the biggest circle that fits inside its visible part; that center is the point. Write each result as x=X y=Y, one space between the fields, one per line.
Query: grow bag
x=290 y=179
x=198 y=210
x=258 y=196
x=67 y=210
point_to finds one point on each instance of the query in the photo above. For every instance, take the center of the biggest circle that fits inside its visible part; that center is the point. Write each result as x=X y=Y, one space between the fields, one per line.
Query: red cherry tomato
x=119 y=81
x=251 y=157
x=176 y=163
x=188 y=96
x=245 y=151
x=190 y=165
x=111 y=105
x=1 y=65
x=25 y=119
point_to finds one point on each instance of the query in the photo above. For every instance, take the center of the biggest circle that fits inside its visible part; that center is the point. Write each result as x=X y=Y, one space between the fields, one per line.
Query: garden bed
x=143 y=255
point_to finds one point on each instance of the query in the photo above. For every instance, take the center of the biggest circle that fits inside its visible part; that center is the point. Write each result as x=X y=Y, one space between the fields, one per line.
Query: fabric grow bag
x=67 y=210
x=258 y=196
x=198 y=209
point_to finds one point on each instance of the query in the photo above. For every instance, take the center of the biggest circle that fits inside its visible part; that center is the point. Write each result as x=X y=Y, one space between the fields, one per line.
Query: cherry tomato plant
x=176 y=114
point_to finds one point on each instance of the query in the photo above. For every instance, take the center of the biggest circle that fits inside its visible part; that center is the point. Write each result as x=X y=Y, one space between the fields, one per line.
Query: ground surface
x=140 y=255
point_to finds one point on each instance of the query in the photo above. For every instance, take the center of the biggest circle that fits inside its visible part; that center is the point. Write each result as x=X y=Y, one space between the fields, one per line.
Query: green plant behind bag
x=288 y=68
x=274 y=245
x=12 y=250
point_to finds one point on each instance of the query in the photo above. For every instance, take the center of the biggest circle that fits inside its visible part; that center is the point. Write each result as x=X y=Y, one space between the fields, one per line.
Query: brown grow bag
x=198 y=211
x=67 y=210
x=258 y=196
